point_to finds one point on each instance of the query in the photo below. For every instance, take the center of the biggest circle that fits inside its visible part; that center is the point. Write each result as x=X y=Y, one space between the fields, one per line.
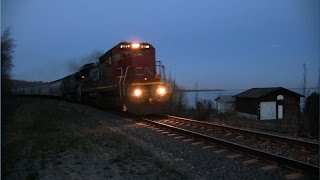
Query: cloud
x=275 y=45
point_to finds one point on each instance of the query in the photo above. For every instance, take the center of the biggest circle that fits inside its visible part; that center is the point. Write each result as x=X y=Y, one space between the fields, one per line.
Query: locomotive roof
x=124 y=43
x=86 y=66
x=130 y=43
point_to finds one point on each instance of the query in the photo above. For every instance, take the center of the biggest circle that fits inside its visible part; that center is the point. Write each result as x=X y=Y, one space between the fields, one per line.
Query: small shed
x=225 y=104
x=268 y=103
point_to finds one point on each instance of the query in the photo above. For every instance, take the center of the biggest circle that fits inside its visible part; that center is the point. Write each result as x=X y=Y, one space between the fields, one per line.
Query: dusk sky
x=226 y=44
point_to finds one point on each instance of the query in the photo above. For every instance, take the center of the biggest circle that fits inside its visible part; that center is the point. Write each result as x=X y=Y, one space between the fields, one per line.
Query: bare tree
x=7 y=50
x=312 y=114
x=196 y=97
x=319 y=78
x=203 y=109
x=179 y=99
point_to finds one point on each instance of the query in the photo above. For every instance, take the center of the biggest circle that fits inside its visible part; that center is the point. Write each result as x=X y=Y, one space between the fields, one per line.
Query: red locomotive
x=126 y=76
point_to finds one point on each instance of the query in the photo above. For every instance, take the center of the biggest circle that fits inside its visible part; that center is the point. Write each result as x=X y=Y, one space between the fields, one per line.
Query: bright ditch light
x=161 y=91
x=137 y=92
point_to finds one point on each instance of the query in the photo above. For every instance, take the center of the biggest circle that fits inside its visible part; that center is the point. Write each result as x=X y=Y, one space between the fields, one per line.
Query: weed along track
x=296 y=156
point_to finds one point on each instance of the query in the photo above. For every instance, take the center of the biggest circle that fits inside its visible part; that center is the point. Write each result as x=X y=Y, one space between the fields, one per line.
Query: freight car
x=127 y=76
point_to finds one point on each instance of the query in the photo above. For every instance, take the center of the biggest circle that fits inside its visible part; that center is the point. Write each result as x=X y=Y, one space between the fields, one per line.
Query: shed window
x=280 y=97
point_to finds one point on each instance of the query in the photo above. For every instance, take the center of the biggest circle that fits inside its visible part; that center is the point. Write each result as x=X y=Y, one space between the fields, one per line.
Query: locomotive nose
x=149 y=93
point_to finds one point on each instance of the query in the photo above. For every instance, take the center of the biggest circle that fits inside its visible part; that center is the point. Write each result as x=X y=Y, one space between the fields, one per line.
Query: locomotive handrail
x=124 y=80
x=162 y=72
x=120 y=82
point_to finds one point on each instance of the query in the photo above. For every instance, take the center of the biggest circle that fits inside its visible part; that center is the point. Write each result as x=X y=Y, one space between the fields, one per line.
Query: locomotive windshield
x=133 y=53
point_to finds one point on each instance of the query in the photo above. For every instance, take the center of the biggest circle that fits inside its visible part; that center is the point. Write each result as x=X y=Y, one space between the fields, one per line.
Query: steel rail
x=307 y=144
x=284 y=161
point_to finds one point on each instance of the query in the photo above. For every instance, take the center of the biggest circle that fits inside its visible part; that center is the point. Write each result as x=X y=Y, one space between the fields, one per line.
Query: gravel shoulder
x=52 y=139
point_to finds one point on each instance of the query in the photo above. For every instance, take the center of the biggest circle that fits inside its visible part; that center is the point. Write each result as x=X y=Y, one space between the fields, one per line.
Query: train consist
x=127 y=76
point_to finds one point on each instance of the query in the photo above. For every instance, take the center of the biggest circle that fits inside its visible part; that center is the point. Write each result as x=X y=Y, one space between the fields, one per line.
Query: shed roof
x=225 y=99
x=260 y=92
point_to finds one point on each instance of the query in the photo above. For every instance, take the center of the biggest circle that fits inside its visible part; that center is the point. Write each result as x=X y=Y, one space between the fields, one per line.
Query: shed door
x=268 y=110
x=280 y=111
x=221 y=108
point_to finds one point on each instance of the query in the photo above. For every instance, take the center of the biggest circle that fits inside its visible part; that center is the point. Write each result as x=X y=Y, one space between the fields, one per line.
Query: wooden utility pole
x=304 y=83
x=319 y=79
x=196 y=98
x=304 y=86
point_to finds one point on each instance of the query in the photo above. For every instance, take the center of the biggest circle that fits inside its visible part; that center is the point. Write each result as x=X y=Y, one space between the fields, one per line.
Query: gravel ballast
x=192 y=160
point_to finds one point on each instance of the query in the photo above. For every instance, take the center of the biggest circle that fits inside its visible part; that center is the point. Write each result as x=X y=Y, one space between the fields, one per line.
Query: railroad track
x=204 y=132
x=278 y=138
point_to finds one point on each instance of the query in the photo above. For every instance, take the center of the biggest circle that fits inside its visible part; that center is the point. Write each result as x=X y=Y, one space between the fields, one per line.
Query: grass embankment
x=47 y=139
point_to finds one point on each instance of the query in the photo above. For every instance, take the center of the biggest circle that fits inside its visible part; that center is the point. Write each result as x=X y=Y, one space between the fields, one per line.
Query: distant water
x=212 y=95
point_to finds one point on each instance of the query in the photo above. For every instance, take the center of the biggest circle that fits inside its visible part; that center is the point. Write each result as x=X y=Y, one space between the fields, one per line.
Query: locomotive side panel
x=44 y=89
x=55 y=88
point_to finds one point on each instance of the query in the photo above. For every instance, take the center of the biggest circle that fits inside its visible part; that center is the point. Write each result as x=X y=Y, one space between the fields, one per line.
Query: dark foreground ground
x=50 y=139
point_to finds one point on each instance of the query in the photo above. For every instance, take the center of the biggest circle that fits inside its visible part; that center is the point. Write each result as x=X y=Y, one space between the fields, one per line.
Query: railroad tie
x=197 y=143
x=220 y=151
x=140 y=124
x=294 y=176
x=207 y=147
x=265 y=143
x=250 y=161
x=187 y=140
x=165 y=132
x=270 y=168
x=232 y=156
x=178 y=137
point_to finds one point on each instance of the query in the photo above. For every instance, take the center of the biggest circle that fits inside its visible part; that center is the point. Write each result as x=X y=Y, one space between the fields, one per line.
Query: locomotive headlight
x=161 y=91
x=137 y=92
x=135 y=45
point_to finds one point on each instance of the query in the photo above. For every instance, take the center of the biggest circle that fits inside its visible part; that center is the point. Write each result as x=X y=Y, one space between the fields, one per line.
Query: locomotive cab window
x=117 y=57
x=127 y=53
x=139 y=53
